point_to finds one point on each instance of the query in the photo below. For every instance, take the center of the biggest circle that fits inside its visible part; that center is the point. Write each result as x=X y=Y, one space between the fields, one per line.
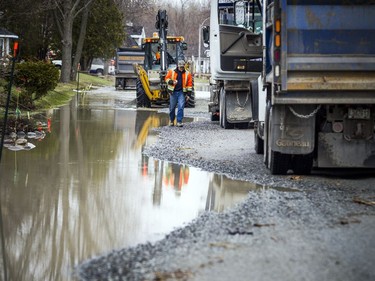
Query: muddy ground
x=317 y=227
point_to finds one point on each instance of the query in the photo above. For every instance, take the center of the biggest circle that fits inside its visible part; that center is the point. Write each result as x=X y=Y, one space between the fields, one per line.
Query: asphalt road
x=317 y=227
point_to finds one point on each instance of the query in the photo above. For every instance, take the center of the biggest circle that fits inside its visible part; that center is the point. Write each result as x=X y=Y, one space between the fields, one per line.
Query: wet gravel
x=317 y=227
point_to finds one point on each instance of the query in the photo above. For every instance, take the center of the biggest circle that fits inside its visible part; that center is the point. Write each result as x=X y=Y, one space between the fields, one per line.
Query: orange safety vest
x=187 y=80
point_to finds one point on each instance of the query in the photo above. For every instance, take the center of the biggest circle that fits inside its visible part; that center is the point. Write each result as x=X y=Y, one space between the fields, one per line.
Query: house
x=134 y=35
x=5 y=42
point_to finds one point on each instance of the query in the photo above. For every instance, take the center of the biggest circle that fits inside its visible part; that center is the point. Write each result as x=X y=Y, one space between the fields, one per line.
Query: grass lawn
x=61 y=95
x=65 y=91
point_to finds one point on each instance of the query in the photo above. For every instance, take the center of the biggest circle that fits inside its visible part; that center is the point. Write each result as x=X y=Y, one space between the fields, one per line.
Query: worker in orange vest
x=180 y=86
x=157 y=56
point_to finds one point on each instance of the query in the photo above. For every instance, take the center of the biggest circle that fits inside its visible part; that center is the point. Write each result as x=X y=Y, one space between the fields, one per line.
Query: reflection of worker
x=180 y=83
x=176 y=176
x=177 y=179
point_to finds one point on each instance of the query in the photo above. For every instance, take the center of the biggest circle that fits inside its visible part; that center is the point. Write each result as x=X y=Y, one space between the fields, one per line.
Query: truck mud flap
x=293 y=132
x=123 y=83
x=238 y=107
x=131 y=83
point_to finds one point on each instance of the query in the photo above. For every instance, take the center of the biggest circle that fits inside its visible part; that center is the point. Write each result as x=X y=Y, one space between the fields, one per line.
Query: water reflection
x=224 y=192
x=87 y=189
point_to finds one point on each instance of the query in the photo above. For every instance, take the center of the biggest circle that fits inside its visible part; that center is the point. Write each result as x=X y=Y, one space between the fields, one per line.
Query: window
x=244 y=14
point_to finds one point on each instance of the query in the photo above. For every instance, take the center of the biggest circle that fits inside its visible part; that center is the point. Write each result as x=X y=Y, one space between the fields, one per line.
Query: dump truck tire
x=223 y=111
x=191 y=101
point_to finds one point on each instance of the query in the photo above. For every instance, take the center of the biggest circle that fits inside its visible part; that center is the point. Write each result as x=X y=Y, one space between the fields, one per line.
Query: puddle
x=224 y=192
x=86 y=188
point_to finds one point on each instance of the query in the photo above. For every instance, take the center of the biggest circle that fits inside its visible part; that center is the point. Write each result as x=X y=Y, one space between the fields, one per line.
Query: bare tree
x=140 y=13
x=185 y=19
x=65 y=13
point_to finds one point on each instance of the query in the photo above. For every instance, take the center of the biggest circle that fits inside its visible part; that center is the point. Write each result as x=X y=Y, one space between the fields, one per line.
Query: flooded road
x=86 y=188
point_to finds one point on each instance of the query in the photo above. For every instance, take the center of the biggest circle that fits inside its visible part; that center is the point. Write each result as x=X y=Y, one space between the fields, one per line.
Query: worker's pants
x=177 y=98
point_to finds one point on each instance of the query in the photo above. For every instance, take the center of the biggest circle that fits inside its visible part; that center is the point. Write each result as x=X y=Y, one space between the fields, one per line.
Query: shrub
x=37 y=78
x=3 y=85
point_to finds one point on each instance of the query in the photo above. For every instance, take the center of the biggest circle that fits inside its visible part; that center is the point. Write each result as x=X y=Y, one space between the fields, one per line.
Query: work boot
x=179 y=124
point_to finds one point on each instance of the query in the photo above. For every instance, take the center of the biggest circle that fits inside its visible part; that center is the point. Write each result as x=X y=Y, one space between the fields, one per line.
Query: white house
x=6 y=38
x=134 y=35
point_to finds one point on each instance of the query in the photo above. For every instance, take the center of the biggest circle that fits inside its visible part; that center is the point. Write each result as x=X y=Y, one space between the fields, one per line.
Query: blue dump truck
x=316 y=94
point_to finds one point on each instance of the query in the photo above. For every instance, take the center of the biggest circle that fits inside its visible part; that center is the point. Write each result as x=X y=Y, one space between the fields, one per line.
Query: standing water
x=86 y=188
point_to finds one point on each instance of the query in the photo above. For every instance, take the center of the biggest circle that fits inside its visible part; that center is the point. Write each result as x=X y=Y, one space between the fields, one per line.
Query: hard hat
x=181 y=63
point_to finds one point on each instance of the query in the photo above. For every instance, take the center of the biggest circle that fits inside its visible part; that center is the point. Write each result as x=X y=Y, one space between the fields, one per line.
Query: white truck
x=96 y=67
x=317 y=88
x=235 y=41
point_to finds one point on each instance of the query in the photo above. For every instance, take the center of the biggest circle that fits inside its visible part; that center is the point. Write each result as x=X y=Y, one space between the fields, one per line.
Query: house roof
x=131 y=33
x=130 y=42
x=7 y=34
x=134 y=30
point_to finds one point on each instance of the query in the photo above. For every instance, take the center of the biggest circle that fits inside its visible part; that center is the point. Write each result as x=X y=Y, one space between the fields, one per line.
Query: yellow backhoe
x=162 y=53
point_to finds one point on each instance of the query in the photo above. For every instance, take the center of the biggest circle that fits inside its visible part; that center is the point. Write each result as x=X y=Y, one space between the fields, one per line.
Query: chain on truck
x=316 y=104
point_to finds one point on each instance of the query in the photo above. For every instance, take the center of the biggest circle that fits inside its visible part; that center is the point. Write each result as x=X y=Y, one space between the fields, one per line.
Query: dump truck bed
x=125 y=59
x=328 y=45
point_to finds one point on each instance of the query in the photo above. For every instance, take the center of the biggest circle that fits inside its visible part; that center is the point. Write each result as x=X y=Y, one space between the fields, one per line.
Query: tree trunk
x=66 y=53
x=70 y=9
x=67 y=38
x=81 y=39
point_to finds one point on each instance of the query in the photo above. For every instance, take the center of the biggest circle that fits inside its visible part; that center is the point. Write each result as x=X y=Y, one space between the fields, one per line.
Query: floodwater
x=86 y=188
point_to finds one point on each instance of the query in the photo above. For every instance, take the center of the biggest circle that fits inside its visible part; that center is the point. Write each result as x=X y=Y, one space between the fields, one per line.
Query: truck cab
x=235 y=42
x=175 y=51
